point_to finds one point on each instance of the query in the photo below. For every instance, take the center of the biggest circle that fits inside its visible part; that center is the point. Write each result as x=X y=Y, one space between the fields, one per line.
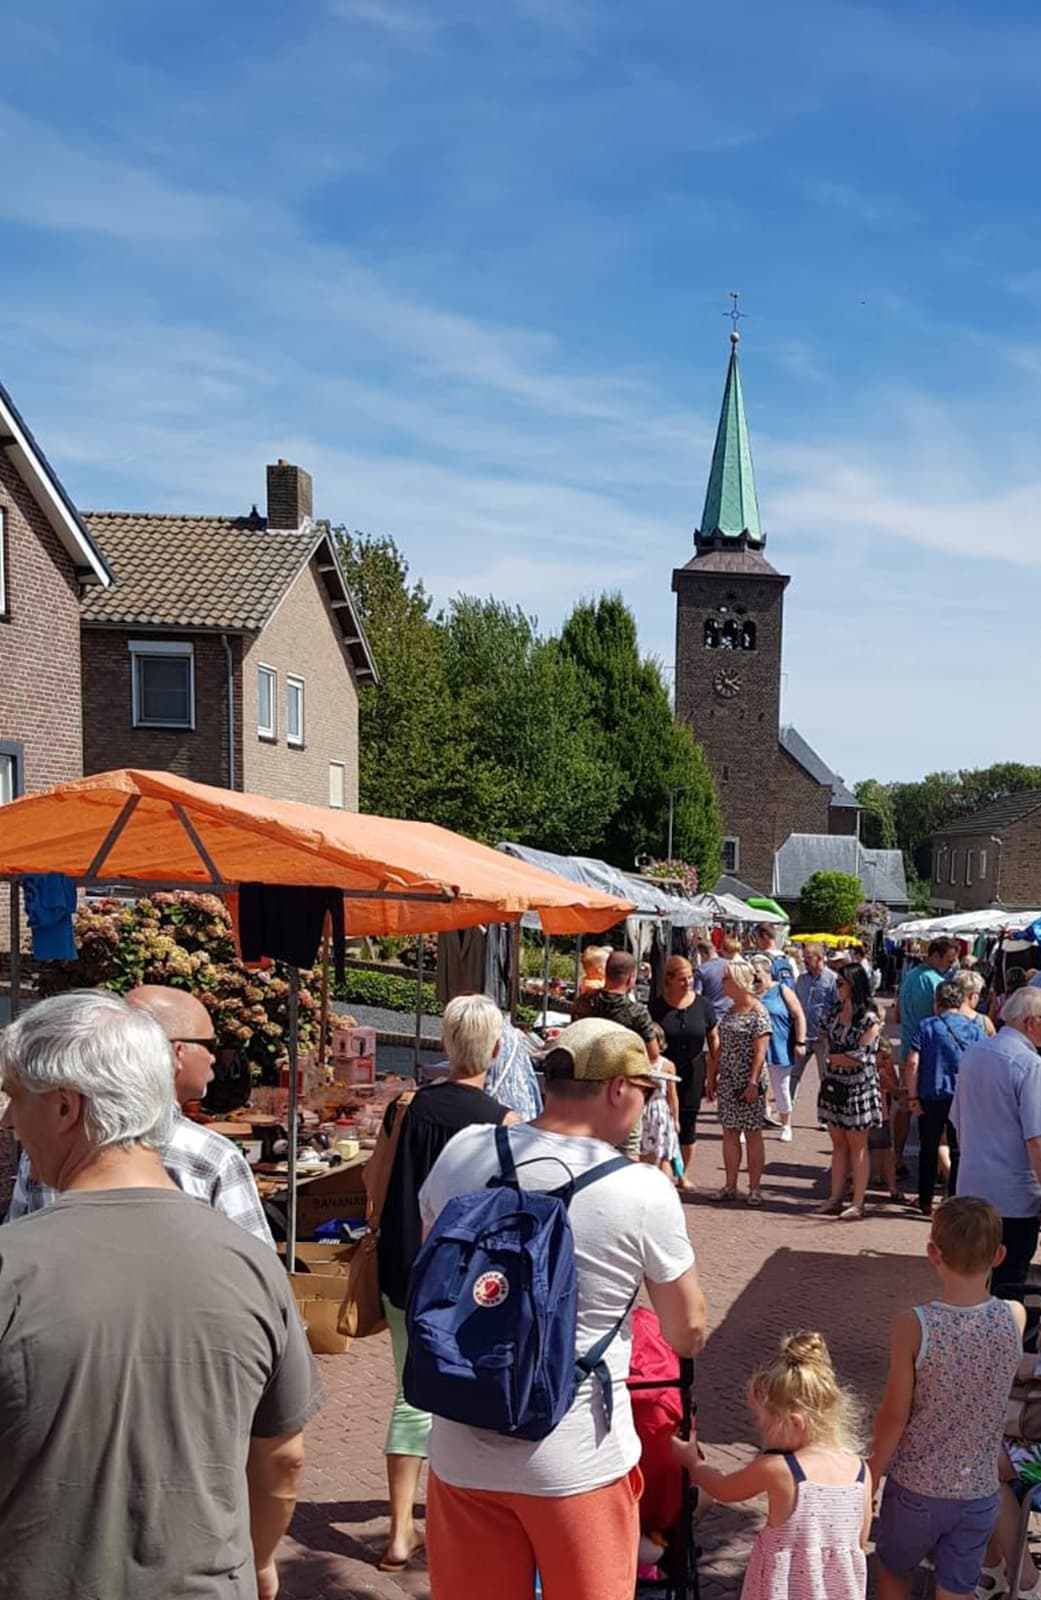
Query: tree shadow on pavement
x=850 y=1299
x=328 y=1534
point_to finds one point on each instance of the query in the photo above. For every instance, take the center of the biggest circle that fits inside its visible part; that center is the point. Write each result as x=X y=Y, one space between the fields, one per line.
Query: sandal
x=830 y=1208
x=725 y=1195
x=754 y=1197
x=852 y=1214
x=387 y=1564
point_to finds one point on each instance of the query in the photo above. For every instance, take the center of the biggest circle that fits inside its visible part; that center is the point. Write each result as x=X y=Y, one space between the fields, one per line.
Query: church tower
x=729 y=621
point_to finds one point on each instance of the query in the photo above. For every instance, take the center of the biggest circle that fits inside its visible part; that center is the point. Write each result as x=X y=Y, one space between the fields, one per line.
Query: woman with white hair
x=472 y=1030
x=739 y=1083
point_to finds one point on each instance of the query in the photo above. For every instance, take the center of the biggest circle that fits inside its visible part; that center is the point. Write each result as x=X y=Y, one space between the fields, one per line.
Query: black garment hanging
x=285 y=922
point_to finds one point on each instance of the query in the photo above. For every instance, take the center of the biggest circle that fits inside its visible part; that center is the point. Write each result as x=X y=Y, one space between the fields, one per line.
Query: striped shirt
x=202 y=1163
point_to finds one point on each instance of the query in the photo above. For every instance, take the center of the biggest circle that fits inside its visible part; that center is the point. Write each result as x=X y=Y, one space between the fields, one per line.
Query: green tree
x=829 y=901
x=878 y=819
x=638 y=733
x=410 y=758
x=536 y=770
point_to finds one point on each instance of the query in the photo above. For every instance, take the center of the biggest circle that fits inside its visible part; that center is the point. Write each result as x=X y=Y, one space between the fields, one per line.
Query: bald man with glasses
x=202 y=1163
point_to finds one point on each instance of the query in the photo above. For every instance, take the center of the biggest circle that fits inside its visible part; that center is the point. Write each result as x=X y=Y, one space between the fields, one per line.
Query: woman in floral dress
x=739 y=1084
x=850 y=1100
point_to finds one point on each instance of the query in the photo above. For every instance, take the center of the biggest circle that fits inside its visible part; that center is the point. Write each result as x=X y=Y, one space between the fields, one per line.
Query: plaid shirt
x=202 y=1163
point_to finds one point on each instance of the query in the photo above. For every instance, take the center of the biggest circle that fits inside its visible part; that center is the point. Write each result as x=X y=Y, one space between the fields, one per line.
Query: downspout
x=229 y=665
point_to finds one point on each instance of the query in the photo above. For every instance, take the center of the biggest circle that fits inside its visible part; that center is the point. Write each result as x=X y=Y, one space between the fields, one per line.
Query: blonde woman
x=471 y=1029
x=739 y=1083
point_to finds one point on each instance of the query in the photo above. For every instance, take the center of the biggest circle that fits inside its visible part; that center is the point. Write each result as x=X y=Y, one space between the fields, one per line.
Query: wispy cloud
x=404 y=23
x=868 y=210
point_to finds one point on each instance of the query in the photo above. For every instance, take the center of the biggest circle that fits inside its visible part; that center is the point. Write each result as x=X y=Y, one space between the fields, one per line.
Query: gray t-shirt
x=144 y=1339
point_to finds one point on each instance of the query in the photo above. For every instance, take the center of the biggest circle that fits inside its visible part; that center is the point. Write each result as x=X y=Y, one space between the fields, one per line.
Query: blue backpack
x=493 y=1305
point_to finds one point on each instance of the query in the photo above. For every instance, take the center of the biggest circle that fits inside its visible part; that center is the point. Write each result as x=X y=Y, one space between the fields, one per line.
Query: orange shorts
x=488 y=1545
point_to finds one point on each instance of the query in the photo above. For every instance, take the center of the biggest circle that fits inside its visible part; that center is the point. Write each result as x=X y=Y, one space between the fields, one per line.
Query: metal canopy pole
x=16 y=950
x=418 y=1040
x=294 y=1106
x=545 y=980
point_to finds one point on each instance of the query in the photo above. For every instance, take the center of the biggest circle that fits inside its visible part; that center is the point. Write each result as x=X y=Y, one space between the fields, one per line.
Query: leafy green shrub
x=383 y=989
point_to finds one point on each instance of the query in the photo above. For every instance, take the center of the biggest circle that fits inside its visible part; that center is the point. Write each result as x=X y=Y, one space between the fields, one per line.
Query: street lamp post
x=679 y=789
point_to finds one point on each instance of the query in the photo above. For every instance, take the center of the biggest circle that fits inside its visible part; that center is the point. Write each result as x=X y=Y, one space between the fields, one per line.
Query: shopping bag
x=361 y=1311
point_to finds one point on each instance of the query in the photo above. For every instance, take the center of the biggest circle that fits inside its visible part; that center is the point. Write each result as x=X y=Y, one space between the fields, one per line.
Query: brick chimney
x=290 y=497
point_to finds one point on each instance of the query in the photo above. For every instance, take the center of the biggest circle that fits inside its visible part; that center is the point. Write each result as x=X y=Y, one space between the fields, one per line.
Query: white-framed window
x=295 y=712
x=337 y=785
x=3 y=563
x=12 y=759
x=954 y=866
x=983 y=866
x=731 y=857
x=267 y=701
x=970 y=857
x=163 y=683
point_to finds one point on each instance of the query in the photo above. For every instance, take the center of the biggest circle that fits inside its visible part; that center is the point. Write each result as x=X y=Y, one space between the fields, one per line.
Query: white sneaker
x=785 y=1135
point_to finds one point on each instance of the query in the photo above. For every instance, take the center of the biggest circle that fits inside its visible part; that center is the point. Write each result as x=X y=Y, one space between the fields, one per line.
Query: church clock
x=727 y=683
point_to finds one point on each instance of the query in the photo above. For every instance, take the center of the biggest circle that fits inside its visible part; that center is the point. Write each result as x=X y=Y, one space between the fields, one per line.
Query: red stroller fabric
x=657 y=1415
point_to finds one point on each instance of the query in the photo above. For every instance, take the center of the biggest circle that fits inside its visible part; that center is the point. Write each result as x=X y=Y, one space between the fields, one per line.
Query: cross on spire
x=735 y=313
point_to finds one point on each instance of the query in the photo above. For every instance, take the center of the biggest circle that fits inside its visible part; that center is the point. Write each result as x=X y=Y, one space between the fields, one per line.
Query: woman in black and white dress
x=850 y=1100
x=739 y=1084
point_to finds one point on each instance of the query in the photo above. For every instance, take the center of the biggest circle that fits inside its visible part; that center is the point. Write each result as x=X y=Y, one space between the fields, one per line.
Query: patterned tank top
x=963 y=1375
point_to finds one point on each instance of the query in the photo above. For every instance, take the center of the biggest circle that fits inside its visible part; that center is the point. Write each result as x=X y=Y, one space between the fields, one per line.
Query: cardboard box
x=338 y=1194
x=319 y=1292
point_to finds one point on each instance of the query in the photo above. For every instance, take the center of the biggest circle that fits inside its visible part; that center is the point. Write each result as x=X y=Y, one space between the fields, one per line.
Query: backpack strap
x=594 y=1174
x=507 y=1165
x=592 y=1364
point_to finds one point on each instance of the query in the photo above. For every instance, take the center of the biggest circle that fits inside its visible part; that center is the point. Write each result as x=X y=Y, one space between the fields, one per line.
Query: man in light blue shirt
x=815 y=988
x=917 y=997
x=997 y=1112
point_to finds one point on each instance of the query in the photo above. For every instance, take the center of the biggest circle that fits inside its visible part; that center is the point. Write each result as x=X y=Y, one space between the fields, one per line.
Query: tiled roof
x=226 y=573
x=793 y=742
x=737 y=561
x=881 y=872
x=193 y=572
x=992 y=819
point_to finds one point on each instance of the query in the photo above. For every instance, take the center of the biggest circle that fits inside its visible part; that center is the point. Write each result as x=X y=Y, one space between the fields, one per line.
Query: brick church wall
x=803 y=804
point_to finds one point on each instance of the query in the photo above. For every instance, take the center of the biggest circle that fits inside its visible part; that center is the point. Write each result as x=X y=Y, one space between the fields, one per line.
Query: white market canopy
x=964 y=923
x=650 y=899
x=728 y=908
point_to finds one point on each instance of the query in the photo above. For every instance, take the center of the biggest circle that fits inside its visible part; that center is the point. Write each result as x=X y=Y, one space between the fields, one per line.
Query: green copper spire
x=731 y=515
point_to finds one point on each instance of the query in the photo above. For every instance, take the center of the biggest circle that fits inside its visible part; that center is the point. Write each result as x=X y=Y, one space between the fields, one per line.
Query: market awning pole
x=578 y=963
x=16 y=950
x=294 y=1103
x=418 y=1040
x=545 y=981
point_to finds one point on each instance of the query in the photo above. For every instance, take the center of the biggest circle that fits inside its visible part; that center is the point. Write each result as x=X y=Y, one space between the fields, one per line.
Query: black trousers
x=1019 y=1236
x=933 y=1123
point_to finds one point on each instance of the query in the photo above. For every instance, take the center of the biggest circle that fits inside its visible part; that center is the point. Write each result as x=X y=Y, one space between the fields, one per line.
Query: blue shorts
x=954 y=1532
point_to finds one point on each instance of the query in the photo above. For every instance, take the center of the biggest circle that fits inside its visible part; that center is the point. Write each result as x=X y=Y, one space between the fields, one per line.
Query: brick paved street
x=763 y=1272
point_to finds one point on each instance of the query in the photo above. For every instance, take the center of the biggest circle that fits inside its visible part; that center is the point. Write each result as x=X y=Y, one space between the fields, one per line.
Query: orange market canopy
x=154 y=830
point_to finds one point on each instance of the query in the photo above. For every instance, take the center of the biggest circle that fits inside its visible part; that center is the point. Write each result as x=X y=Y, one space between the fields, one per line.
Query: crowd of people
x=155 y=1380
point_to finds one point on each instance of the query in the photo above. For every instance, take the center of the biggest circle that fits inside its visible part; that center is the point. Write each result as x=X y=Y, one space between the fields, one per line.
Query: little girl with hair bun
x=817 y=1486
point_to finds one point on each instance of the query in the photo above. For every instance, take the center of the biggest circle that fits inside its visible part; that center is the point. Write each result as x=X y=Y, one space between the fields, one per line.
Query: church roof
x=731 y=508
x=737 y=561
x=793 y=742
x=881 y=872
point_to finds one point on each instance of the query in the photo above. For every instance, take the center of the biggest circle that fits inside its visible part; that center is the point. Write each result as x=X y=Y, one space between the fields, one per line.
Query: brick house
x=992 y=858
x=228 y=650
x=48 y=559
x=729 y=638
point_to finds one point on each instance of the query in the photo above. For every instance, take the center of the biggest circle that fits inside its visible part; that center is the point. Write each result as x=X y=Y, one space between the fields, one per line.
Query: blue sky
x=467 y=262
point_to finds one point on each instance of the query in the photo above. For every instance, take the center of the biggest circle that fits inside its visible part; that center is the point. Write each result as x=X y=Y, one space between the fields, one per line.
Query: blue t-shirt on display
x=941 y=1042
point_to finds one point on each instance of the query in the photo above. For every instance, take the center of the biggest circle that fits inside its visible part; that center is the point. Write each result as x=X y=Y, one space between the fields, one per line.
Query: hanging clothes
x=285 y=923
x=498 y=964
x=460 y=962
x=50 y=903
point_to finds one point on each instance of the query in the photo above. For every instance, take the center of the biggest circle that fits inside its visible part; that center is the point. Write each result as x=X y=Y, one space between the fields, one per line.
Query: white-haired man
x=997 y=1113
x=202 y=1163
x=570 y=1501
x=154 y=1375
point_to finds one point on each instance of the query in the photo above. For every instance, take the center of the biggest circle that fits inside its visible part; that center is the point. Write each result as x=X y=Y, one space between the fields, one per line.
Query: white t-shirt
x=627 y=1227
